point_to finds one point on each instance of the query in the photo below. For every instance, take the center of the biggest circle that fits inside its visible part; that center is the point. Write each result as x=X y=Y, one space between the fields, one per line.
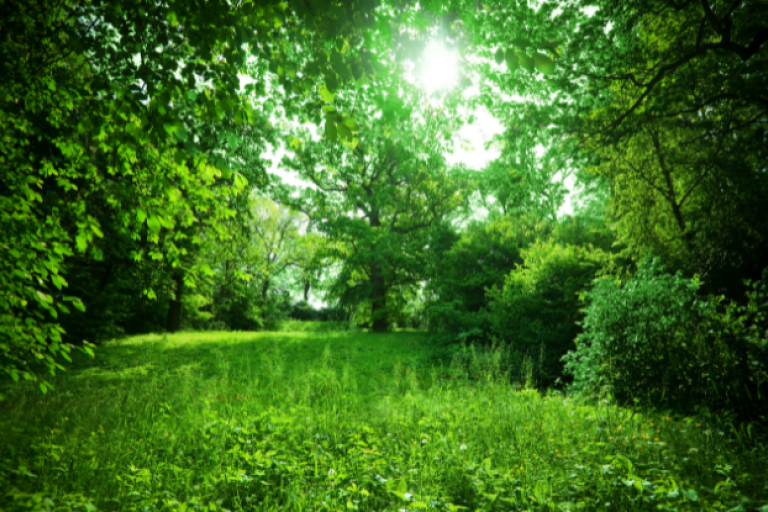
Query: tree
x=375 y=195
x=599 y=79
x=100 y=100
x=464 y=266
x=698 y=203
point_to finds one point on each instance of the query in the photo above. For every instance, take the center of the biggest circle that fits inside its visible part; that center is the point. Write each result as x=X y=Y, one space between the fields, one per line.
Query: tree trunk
x=264 y=289
x=174 y=307
x=306 y=290
x=379 y=312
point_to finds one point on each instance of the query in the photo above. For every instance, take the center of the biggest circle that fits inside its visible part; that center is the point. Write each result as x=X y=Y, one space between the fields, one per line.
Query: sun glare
x=439 y=68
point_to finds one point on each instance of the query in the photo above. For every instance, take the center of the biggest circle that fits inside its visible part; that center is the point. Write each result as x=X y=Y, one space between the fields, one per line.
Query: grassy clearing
x=319 y=420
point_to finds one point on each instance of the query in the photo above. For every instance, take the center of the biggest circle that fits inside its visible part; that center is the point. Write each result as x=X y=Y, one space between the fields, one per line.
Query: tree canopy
x=134 y=143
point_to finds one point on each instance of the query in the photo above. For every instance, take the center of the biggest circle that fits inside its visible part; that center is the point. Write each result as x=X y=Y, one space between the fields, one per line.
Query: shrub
x=537 y=309
x=464 y=268
x=656 y=341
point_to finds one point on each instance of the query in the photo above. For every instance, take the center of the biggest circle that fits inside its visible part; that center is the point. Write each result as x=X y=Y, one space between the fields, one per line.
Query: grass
x=319 y=420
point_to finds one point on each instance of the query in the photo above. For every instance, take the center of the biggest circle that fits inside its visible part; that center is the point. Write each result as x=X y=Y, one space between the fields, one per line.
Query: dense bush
x=656 y=341
x=465 y=267
x=536 y=310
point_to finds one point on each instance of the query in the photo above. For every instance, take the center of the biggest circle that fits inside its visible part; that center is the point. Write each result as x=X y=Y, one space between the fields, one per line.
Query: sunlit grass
x=346 y=421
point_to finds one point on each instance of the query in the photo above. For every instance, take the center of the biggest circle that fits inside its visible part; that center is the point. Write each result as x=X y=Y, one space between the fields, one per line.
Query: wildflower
x=423 y=441
x=655 y=438
x=667 y=418
x=463 y=447
x=619 y=429
x=331 y=472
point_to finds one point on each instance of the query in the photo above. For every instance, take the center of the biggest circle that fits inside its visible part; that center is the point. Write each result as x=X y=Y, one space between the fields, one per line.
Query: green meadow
x=316 y=419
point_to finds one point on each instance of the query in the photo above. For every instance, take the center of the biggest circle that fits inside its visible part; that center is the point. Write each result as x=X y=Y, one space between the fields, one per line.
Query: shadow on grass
x=235 y=356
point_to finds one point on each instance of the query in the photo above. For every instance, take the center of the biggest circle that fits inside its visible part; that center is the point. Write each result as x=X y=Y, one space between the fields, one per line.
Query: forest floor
x=323 y=420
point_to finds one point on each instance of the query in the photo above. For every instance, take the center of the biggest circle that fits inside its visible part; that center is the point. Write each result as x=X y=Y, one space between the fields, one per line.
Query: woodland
x=220 y=165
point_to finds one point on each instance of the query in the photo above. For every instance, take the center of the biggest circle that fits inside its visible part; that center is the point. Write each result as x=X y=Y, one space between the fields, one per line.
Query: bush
x=537 y=309
x=464 y=268
x=655 y=341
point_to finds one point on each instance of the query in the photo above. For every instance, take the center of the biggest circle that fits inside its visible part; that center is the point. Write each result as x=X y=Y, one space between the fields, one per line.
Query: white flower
x=463 y=447
x=423 y=441
x=331 y=472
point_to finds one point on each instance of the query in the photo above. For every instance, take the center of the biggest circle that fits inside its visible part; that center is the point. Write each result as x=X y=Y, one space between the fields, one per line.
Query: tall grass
x=347 y=421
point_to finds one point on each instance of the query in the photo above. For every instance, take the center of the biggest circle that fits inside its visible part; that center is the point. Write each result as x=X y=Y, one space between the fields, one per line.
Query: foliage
x=330 y=421
x=378 y=192
x=124 y=102
x=462 y=269
x=536 y=309
x=698 y=205
x=689 y=76
x=656 y=341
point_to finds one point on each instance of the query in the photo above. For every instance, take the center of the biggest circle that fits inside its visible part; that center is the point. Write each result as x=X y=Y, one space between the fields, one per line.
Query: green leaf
x=511 y=58
x=58 y=281
x=182 y=134
x=691 y=495
x=240 y=181
x=525 y=61
x=82 y=242
x=331 y=82
x=325 y=94
x=141 y=215
x=330 y=130
x=499 y=56
x=543 y=63
x=344 y=131
x=77 y=303
x=170 y=128
x=153 y=222
x=521 y=42
x=234 y=142
x=351 y=123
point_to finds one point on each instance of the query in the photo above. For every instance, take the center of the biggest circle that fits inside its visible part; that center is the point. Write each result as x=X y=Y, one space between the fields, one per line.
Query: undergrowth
x=316 y=421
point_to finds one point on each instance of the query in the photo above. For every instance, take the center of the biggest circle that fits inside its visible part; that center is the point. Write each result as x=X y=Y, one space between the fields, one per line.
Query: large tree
x=102 y=99
x=665 y=99
x=376 y=194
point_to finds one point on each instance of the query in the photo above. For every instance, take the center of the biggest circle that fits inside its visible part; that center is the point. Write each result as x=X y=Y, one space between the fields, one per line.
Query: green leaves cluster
x=655 y=340
x=536 y=310
x=139 y=107
x=376 y=196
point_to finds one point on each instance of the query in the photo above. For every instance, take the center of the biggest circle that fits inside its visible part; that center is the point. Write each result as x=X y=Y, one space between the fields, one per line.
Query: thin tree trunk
x=379 y=312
